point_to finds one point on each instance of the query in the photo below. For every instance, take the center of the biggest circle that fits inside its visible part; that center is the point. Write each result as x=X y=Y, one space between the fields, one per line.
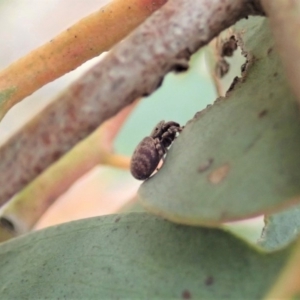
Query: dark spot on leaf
x=209 y=280
x=275 y=74
x=117 y=219
x=205 y=166
x=270 y=50
x=253 y=142
x=262 y=113
x=186 y=294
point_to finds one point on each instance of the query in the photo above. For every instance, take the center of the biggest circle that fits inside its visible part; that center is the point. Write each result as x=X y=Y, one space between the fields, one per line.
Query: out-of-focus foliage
x=281 y=228
x=135 y=256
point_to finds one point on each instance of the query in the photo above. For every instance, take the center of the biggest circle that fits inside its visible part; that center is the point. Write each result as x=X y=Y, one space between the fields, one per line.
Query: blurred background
x=27 y=24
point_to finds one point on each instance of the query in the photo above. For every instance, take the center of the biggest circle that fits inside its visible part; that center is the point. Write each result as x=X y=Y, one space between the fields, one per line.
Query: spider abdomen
x=145 y=159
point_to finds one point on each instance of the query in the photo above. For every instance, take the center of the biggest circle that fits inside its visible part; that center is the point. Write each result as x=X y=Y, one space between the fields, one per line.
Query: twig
x=22 y=212
x=84 y=40
x=134 y=68
x=5 y=234
x=285 y=23
x=211 y=59
x=287 y=285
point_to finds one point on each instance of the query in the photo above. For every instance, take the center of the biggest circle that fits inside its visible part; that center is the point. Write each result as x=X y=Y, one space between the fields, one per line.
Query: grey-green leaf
x=135 y=256
x=240 y=157
x=281 y=229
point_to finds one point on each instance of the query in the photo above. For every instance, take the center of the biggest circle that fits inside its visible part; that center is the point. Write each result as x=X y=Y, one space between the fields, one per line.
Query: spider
x=152 y=149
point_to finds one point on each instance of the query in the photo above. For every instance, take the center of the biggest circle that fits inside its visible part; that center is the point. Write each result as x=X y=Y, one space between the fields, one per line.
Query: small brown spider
x=152 y=149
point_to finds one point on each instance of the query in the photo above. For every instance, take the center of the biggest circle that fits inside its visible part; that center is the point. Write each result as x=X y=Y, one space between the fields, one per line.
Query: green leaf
x=135 y=256
x=240 y=157
x=281 y=229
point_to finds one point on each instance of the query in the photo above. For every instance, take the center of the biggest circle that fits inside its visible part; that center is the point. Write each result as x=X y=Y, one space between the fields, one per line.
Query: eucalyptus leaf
x=238 y=158
x=281 y=229
x=135 y=256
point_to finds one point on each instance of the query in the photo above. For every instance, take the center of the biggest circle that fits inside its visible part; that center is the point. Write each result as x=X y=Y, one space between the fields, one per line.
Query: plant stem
x=84 y=40
x=22 y=212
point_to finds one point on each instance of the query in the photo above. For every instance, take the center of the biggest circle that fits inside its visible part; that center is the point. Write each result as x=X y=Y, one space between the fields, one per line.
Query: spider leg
x=158 y=130
x=167 y=141
x=169 y=133
x=167 y=125
x=160 y=148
